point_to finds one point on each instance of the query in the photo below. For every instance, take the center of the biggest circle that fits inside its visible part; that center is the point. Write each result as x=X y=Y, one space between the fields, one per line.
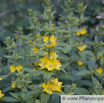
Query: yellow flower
x=33 y=43
x=54 y=44
x=98 y=57
x=33 y=36
x=13 y=85
x=52 y=25
x=98 y=83
x=81 y=48
x=1 y=78
x=43 y=62
x=12 y=68
x=47 y=88
x=52 y=39
x=76 y=42
x=1 y=95
x=41 y=48
x=100 y=87
x=55 y=81
x=99 y=70
x=57 y=65
x=52 y=55
x=38 y=36
x=52 y=85
x=19 y=67
x=101 y=55
x=40 y=85
x=19 y=86
x=30 y=41
x=82 y=32
x=36 y=63
x=56 y=87
x=50 y=65
x=35 y=50
x=46 y=38
x=45 y=27
x=80 y=62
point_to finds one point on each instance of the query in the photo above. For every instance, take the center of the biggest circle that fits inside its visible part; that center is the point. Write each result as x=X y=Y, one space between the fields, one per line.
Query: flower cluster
x=17 y=68
x=52 y=85
x=49 y=41
x=35 y=50
x=14 y=85
x=50 y=64
x=51 y=29
x=82 y=32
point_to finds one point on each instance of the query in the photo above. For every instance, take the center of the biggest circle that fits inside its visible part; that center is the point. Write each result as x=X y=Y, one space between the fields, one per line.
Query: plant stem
x=101 y=85
x=71 y=51
x=102 y=81
x=51 y=98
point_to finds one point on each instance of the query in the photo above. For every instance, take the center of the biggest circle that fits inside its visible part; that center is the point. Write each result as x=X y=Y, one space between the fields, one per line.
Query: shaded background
x=13 y=13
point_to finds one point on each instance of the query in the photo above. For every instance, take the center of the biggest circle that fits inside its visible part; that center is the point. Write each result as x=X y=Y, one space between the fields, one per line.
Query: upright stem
x=51 y=98
x=80 y=25
x=49 y=44
x=102 y=81
x=71 y=51
x=101 y=84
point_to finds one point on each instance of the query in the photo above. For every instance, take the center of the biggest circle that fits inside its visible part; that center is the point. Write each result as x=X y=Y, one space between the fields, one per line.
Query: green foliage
x=45 y=59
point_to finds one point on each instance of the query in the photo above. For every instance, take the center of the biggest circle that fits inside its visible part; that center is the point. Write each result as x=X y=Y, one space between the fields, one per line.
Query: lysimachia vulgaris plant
x=53 y=59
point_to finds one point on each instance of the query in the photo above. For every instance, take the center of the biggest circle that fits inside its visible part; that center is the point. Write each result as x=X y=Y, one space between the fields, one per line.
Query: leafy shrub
x=53 y=59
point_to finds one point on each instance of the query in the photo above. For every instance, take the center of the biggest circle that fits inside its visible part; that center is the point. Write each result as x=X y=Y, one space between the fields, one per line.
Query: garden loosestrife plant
x=53 y=57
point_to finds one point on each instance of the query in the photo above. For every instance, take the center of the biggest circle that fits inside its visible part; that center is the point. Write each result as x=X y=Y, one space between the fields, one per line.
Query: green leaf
x=3 y=76
x=67 y=49
x=62 y=44
x=6 y=56
x=28 y=70
x=55 y=98
x=63 y=57
x=64 y=76
x=94 y=80
x=82 y=54
x=7 y=89
x=96 y=39
x=36 y=91
x=91 y=65
x=88 y=52
x=60 y=93
x=15 y=95
x=44 y=97
x=92 y=43
x=9 y=99
x=64 y=65
x=102 y=92
x=83 y=73
x=47 y=75
x=81 y=91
